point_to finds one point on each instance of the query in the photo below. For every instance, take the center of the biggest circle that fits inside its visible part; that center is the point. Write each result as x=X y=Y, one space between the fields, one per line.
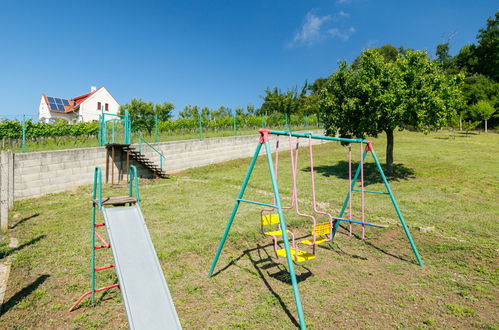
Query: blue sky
x=209 y=53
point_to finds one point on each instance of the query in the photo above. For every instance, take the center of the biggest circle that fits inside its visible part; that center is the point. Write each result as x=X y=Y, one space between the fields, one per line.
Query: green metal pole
x=24 y=134
x=234 y=210
x=235 y=125
x=96 y=195
x=399 y=213
x=345 y=203
x=104 y=128
x=200 y=126
x=289 y=259
x=156 y=128
x=263 y=120
x=112 y=139
x=128 y=127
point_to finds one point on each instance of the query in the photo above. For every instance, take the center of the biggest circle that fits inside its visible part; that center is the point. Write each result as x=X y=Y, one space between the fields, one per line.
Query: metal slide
x=148 y=302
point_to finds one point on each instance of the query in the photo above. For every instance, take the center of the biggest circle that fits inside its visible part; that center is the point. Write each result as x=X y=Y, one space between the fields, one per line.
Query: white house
x=83 y=108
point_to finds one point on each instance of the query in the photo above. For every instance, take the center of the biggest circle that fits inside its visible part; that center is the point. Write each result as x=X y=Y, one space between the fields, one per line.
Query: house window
x=99 y=106
x=106 y=107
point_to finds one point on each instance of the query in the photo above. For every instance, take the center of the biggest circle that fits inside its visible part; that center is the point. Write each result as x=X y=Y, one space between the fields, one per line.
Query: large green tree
x=143 y=113
x=380 y=95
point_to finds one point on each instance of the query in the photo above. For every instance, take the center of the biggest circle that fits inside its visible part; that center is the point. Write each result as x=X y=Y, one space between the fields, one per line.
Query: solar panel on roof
x=50 y=99
x=53 y=106
x=60 y=107
x=65 y=102
x=58 y=101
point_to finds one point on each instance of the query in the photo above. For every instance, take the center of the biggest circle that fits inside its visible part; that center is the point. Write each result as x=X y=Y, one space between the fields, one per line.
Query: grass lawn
x=451 y=184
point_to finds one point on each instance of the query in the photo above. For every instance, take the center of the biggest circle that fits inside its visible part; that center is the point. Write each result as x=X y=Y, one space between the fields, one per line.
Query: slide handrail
x=97 y=191
x=134 y=178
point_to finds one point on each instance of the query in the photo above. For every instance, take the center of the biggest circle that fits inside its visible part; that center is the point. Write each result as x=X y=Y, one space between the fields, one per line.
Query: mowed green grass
x=451 y=184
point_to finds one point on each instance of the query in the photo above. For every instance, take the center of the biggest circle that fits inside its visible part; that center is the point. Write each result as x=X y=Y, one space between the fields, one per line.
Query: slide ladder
x=147 y=299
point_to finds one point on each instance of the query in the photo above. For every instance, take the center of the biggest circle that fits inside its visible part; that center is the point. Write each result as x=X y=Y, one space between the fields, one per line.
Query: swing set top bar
x=318 y=137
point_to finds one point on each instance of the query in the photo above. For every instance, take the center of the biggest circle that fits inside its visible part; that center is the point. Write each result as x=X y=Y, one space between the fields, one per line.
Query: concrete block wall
x=6 y=187
x=39 y=173
x=182 y=155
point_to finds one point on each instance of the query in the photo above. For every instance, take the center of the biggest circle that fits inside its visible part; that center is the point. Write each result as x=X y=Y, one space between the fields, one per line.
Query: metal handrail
x=141 y=139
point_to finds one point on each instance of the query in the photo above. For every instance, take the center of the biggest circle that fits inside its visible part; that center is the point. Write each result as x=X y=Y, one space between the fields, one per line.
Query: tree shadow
x=25 y=292
x=24 y=220
x=20 y=247
x=371 y=173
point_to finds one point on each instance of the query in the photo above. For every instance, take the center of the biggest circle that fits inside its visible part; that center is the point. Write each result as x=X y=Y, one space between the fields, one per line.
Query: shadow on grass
x=371 y=174
x=370 y=244
x=24 y=293
x=263 y=262
x=4 y=254
x=24 y=220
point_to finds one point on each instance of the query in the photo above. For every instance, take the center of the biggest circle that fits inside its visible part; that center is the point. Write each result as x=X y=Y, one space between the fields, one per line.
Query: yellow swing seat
x=302 y=255
x=321 y=229
x=275 y=232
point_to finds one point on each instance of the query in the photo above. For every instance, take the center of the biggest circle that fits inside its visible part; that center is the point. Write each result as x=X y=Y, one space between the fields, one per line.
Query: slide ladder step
x=302 y=255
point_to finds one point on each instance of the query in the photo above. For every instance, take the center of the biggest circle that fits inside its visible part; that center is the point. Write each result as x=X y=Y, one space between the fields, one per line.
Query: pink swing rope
x=276 y=172
x=362 y=187
x=314 y=203
x=350 y=187
x=295 y=190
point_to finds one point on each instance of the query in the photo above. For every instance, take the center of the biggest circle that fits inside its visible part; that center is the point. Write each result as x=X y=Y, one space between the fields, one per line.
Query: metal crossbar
x=317 y=137
x=257 y=203
x=372 y=192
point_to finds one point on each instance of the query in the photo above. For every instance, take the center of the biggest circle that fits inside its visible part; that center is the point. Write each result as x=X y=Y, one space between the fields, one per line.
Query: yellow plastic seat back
x=321 y=229
x=270 y=219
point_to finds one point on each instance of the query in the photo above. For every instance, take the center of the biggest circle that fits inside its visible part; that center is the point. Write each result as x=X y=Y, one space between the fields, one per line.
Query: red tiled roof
x=74 y=103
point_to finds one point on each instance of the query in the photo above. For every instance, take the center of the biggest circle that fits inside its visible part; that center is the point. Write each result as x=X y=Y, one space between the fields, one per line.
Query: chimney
x=93 y=89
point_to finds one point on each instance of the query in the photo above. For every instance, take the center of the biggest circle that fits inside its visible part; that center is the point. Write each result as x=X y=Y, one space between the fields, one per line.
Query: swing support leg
x=399 y=213
x=392 y=197
x=265 y=141
x=234 y=210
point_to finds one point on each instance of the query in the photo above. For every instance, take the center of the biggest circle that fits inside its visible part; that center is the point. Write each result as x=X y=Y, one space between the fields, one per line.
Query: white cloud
x=318 y=28
x=343 y=14
x=342 y=1
x=342 y=34
x=310 y=31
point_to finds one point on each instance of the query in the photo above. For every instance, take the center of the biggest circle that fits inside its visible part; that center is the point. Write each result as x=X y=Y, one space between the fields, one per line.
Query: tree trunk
x=389 y=152
x=485 y=126
x=460 y=123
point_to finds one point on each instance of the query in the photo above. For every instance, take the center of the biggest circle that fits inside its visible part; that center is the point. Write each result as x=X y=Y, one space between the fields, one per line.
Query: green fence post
x=156 y=128
x=306 y=121
x=200 y=125
x=235 y=125
x=263 y=120
x=24 y=134
x=99 y=133
x=286 y=121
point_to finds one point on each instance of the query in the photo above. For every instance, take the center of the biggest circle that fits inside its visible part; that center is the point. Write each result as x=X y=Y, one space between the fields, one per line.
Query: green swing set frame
x=264 y=141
